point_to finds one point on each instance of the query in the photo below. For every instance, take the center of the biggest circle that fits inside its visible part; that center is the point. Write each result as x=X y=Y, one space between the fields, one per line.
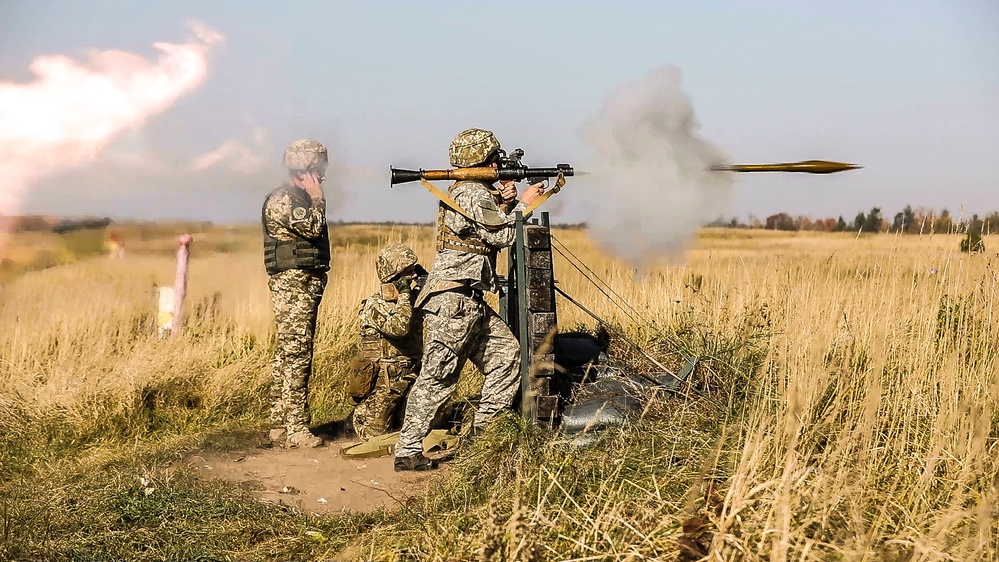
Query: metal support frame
x=528 y=309
x=520 y=280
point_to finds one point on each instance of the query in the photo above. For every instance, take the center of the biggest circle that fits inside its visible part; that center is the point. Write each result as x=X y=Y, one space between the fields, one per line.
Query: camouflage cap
x=305 y=155
x=393 y=260
x=472 y=147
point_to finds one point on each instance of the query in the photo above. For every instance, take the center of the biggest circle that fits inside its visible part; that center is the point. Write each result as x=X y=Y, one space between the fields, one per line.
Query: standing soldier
x=391 y=344
x=458 y=324
x=297 y=259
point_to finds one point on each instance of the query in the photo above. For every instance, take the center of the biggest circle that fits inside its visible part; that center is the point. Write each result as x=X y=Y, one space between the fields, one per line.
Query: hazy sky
x=909 y=90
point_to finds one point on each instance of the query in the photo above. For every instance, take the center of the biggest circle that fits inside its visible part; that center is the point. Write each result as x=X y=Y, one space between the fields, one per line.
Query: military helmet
x=472 y=147
x=306 y=155
x=393 y=260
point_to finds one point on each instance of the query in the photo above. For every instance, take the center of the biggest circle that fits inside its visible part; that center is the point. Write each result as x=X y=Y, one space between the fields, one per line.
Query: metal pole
x=506 y=295
x=526 y=401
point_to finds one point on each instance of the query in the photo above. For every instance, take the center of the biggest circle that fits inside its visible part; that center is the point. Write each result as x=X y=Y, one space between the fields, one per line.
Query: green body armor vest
x=300 y=252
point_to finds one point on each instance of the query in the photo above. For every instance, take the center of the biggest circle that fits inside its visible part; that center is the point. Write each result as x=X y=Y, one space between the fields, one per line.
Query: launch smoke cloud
x=71 y=111
x=650 y=186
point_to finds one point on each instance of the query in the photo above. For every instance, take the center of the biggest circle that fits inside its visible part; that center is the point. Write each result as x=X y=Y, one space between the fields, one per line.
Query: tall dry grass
x=851 y=382
x=79 y=342
x=864 y=429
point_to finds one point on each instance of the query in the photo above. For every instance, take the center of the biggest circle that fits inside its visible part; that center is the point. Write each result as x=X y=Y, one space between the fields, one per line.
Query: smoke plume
x=650 y=187
x=237 y=155
x=71 y=111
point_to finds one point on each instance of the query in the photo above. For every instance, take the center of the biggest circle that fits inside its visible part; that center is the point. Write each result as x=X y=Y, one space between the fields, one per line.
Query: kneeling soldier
x=391 y=345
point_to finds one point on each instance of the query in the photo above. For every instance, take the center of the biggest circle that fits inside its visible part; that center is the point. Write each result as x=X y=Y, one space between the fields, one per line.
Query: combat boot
x=415 y=462
x=277 y=437
x=303 y=440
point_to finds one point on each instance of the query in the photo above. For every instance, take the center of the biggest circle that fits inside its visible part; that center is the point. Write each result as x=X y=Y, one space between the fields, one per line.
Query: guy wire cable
x=650 y=378
x=679 y=345
x=624 y=337
x=601 y=289
x=622 y=299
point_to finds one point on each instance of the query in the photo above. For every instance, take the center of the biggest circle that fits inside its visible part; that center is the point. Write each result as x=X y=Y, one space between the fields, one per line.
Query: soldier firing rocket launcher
x=509 y=167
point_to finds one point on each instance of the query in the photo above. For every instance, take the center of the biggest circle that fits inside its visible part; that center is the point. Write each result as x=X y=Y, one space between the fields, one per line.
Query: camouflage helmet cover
x=304 y=155
x=472 y=147
x=393 y=260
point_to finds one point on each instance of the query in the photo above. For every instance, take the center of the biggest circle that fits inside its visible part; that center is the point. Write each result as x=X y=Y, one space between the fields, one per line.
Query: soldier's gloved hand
x=403 y=285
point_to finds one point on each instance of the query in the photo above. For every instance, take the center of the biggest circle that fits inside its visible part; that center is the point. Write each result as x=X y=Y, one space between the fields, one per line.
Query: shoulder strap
x=445 y=199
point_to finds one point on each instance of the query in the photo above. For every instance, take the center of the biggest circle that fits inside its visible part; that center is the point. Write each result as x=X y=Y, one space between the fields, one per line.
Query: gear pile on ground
x=600 y=395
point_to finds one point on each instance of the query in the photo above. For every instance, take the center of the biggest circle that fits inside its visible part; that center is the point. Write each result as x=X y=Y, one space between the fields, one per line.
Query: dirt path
x=316 y=481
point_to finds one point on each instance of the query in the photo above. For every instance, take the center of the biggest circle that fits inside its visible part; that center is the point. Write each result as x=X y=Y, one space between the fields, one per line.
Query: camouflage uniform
x=458 y=324
x=297 y=258
x=392 y=338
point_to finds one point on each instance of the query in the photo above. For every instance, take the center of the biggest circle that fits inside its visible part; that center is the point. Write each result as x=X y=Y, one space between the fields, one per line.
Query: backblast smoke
x=650 y=187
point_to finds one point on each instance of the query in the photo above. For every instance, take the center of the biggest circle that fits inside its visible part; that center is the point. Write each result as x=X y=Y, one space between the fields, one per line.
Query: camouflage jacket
x=286 y=221
x=391 y=329
x=477 y=271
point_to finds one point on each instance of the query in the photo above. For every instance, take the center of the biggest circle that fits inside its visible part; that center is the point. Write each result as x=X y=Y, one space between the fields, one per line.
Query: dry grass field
x=847 y=408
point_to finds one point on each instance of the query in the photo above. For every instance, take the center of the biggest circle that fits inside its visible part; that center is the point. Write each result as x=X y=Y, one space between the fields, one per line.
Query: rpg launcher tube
x=486 y=174
x=807 y=166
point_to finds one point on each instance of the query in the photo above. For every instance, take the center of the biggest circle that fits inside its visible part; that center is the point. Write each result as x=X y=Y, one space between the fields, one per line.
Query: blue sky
x=909 y=90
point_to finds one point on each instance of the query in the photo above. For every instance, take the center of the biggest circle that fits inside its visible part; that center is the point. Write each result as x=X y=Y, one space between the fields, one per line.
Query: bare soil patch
x=316 y=481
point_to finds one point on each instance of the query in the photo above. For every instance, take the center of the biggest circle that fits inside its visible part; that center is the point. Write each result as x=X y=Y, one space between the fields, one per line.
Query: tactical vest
x=405 y=351
x=378 y=348
x=465 y=242
x=300 y=252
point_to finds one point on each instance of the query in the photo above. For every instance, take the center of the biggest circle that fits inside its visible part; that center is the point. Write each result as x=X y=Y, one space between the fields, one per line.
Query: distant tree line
x=906 y=221
x=47 y=223
x=341 y=222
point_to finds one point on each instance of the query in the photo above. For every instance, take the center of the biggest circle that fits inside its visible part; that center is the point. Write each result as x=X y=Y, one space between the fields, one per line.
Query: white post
x=180 y=283
x=165 y=317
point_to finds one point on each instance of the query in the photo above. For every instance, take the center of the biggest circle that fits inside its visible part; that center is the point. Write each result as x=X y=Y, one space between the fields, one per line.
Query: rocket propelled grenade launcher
x=487 y=174
x=509 y=167
x=807 y=166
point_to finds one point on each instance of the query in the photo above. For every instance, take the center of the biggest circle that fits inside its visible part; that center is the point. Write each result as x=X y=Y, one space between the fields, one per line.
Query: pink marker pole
x=180 y=282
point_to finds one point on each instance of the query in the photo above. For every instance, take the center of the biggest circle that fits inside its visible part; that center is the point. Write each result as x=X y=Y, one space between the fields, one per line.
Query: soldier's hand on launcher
x=532 y=192
x=508 y=191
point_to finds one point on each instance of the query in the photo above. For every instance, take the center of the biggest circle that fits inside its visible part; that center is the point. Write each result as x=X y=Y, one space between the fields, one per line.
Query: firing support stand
x=527 y=303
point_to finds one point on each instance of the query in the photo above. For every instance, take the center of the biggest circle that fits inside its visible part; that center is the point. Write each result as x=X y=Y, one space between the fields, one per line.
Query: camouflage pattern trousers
x=381 y=411
x=295 y=296
x=457 y=328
